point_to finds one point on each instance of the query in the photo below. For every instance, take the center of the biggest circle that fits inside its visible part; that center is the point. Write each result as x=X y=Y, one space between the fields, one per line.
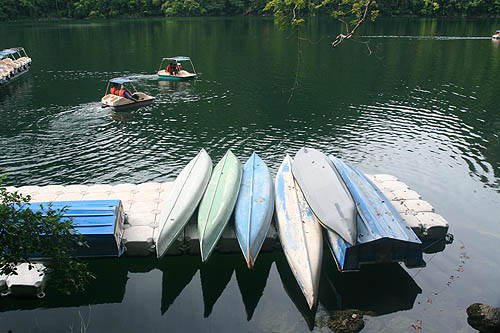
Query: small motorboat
x=13 y=63
x=496 y=35
x=119 y=97
x=173 y=71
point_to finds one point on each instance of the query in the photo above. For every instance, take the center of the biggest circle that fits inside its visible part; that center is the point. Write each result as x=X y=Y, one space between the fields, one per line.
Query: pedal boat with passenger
x=14 y=62
x=496 y=35
x=121 y=102
x=180 y=75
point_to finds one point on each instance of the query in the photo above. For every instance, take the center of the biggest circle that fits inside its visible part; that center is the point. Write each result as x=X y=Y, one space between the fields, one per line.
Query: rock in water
x=348 y=321
x=484 y=318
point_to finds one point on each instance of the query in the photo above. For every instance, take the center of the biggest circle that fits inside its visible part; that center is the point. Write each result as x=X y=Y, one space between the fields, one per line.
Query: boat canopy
x=498 y=31
x=178 y=58
x=8 y=51
x=120 y=80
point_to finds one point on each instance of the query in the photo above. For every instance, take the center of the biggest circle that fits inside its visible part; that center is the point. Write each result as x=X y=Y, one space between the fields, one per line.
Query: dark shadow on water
x=376 y=289
x=293 y=290
x=215 y=274
x=439 y=245
x=108 y=286
x=16 y=90
x=178 y=271
x=252 y=282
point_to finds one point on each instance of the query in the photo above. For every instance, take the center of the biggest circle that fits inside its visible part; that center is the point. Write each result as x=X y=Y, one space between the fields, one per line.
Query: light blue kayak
x=254 y=208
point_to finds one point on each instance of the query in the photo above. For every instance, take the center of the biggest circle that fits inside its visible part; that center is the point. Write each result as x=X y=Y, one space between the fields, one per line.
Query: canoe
x=299 y=232
x=384 y=236
x=372 y=207
x=182 y=201
x=254 y=208
x=326 y=193
x=218 y=202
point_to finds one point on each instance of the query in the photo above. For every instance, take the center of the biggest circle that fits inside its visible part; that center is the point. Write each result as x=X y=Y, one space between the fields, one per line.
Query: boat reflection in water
x=177 y=271
x=215 y=274
x=107 y=287
x=252 y=282
x=17 y=90
x=293 y=290
x=375 y=289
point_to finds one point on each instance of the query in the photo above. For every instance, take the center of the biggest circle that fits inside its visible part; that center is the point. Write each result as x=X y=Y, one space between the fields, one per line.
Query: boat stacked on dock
x=254 y=208
x=218 y=202
x=182 y=201
x=299 y=231
x=13 y=63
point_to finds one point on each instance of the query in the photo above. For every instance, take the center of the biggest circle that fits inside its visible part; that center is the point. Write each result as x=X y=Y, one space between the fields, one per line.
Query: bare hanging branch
x=340 y=38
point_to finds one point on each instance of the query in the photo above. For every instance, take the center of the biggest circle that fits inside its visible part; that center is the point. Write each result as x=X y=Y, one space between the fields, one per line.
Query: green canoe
x=218 y=202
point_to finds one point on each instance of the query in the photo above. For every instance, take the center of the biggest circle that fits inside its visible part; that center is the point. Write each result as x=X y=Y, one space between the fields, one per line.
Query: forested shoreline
x=79 y=9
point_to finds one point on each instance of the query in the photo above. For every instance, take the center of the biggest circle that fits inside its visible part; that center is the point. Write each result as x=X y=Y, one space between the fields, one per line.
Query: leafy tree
x=25 y=233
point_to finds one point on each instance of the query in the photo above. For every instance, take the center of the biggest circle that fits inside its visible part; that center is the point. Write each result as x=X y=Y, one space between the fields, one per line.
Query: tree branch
x=340 y=37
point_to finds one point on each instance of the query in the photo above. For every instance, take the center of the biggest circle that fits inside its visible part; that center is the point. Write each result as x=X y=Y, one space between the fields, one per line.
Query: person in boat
x=126 y=93
x=179 y=67
x=170 y=68
x=114 y=89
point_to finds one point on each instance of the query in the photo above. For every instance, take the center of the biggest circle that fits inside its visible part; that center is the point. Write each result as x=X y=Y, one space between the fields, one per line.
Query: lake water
x=422 y=106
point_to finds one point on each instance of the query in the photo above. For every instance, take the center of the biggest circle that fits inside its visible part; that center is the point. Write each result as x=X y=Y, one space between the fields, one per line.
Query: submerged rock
x=484 y=318
x=349 y=321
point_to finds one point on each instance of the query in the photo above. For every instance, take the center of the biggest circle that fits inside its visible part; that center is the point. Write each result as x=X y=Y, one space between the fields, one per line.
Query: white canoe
x=326 y=193
x=182 y=201
x=299 y=231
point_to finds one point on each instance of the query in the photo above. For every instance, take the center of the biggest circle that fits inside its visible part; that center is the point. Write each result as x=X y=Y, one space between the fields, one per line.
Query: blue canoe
x=254 y=208
x=383 y=235
x=99 y=221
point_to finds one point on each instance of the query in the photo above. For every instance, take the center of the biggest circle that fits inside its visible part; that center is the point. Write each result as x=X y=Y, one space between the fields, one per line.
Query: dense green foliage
x=24 y=232
x=38 y=9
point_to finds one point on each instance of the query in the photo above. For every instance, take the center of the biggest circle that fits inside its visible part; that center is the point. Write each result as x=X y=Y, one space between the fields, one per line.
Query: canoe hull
x=182 y=201
x=300 y=232
x=326 y=193
x=384 y=236
x=254 y=208
x=218 y=202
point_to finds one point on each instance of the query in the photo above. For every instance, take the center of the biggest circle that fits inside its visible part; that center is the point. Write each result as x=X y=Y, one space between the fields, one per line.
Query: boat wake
x=431 y=37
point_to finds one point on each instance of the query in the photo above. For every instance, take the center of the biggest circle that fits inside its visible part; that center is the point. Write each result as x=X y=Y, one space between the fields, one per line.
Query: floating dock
x=142 y=204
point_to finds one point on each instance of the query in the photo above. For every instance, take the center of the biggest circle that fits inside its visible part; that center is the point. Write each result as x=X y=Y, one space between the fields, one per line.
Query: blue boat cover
x=120 y=80
x=8 y=51
x=179 y=58
x=99 y=221
x=383 y=235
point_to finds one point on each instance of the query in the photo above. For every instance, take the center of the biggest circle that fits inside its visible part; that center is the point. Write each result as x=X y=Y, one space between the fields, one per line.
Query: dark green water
x=423 y=107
